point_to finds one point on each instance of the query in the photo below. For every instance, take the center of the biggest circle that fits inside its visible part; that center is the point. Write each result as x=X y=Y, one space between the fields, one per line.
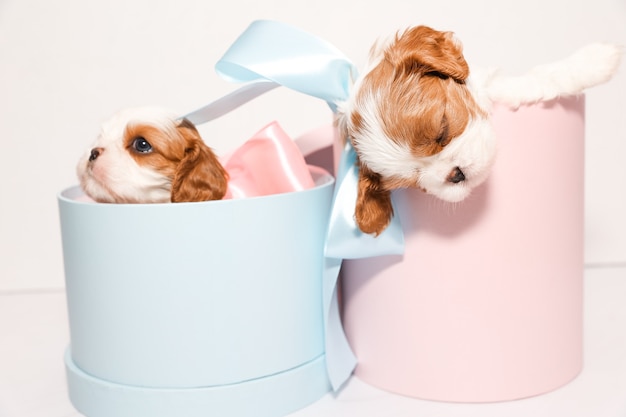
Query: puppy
x=415 y=121
x=147 y=155
x=416 y=117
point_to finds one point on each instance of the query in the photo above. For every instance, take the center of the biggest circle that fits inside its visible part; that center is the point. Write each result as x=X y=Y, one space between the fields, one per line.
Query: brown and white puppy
x=147 y=155
x=415 y=121
x=417 y=117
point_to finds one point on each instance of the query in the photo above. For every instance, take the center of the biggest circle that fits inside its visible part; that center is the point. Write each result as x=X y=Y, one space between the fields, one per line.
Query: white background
x=67 y=65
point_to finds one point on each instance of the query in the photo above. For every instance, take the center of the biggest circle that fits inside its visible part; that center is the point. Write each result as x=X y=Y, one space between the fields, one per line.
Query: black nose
x=456 y=176
x=95 y=153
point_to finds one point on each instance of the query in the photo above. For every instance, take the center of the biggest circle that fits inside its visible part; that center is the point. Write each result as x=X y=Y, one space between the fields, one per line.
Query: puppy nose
x=456 y=176
x=95 y=153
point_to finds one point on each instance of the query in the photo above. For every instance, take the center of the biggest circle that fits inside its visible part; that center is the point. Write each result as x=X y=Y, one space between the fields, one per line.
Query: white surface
x=34 y=335
x=67 y=65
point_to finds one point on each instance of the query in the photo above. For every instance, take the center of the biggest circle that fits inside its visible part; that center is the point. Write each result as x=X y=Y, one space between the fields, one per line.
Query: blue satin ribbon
x=274 y=51
x=268 y=54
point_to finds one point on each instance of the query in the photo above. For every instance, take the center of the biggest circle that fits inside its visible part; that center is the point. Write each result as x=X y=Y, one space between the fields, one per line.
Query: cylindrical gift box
x=486 y=302
x=196 y=309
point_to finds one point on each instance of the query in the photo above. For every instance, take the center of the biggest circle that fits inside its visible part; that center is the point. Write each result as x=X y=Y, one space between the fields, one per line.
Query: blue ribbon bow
x=269 y=54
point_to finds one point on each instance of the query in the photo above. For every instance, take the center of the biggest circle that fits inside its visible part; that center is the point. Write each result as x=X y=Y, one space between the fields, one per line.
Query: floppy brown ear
x=199 y=175
x=425 y=50
x=373 y=210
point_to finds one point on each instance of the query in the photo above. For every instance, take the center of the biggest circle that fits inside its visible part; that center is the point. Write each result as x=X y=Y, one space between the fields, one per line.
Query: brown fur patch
x=423 y=100
x=199 y=175
x=168 y=147
x=180 y=154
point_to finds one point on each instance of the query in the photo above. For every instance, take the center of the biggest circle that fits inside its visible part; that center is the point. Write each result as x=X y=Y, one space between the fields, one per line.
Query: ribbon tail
x=340 y=360
x=346 y=241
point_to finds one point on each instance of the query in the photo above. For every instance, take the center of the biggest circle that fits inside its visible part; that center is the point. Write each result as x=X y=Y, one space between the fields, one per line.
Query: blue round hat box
x=196 y=309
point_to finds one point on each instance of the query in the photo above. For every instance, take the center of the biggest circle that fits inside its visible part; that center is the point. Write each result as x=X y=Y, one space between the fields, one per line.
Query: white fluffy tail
x=589 y=66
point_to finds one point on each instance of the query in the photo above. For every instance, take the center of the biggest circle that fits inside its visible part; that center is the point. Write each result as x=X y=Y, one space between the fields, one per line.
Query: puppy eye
x=141 y=145
x=443 y=139
x=437 y=74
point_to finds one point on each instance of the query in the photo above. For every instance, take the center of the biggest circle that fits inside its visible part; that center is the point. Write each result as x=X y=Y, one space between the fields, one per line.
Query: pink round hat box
x=486 y=302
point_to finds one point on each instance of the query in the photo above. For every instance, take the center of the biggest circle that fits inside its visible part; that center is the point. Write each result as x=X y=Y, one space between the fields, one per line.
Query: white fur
x=473 y=152
x=589 y=66
x=114 y=175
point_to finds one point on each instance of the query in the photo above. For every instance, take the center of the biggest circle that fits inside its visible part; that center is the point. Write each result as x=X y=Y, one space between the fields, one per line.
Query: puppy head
x=414 y=122
x=146 y=155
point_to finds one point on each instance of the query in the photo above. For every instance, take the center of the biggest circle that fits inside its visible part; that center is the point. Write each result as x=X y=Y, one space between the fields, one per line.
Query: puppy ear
x=425 y=50
x=373 y=210
x=199 y=175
